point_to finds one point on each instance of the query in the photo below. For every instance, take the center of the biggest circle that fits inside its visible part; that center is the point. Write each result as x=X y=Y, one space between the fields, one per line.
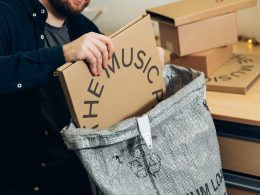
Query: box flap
x=187 y=11
x=237 y=75
x=63 y=67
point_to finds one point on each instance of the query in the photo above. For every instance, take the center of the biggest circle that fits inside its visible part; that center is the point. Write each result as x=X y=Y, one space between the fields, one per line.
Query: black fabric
x=53 y=103
x=56 y=35
x=21 y=46
x=25 y=66
x=67 y=179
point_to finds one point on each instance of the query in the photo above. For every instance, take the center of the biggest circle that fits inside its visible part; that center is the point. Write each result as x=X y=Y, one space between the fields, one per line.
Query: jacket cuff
x=52 y=56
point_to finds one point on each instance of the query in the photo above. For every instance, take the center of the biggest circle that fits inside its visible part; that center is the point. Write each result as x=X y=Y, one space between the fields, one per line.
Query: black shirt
x=53 y=103
x=26 y=66
x=56 y=35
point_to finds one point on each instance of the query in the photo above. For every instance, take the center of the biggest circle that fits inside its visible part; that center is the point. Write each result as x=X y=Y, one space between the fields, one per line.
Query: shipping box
x=190 y=26
x=132 y=84
x=235 y=76
x=207 y=61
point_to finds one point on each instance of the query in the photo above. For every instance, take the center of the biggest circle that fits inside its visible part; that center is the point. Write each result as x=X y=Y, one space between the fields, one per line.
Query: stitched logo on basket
x=145 y=162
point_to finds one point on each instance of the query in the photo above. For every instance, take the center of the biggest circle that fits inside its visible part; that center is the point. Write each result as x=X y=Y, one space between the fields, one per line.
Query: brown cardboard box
x=207 y=61
x=131 y=86
x=237 y=108
x=167 y=53
x=199 y=36
x=235 y=76
x=190 y=26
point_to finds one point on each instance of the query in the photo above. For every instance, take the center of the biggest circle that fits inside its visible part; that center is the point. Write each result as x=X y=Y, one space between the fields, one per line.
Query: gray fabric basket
x=184 y=158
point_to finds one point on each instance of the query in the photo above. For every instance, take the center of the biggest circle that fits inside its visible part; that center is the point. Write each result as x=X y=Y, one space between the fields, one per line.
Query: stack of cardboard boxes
x=200 y=34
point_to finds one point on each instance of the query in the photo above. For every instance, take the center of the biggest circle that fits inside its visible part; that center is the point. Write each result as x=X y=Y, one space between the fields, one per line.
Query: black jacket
x=24 y=66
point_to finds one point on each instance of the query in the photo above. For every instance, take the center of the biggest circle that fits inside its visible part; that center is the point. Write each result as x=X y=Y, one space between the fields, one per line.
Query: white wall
x=119 y=12
x=116 y=13
x=249 y=21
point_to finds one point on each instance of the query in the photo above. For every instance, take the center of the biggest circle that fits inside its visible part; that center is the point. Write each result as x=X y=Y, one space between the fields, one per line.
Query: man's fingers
x=103 y=49
x=107 y=41
x=111 y=48
x=161 y=55
x=94 y=48
x=92 y=63
x=98 y=55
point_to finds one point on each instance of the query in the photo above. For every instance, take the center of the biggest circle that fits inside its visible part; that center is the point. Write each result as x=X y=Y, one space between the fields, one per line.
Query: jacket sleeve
x=23 y=70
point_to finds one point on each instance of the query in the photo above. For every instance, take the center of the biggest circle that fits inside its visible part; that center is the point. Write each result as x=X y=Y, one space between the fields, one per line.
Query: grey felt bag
x=183 y=158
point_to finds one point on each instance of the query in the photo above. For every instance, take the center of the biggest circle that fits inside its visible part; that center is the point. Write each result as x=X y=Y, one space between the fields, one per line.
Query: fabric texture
x=184 y=158
x=56 y=35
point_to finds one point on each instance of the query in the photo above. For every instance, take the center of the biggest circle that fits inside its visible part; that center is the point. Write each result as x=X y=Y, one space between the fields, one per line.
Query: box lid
x=188 y=11
x=235 y=76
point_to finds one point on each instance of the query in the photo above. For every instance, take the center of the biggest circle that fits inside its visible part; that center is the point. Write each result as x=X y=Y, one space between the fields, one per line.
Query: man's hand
x=94 y=48
x=161 y=55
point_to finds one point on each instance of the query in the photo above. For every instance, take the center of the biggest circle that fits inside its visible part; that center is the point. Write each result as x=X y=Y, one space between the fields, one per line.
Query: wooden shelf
x=240 y=155
x=235 y=191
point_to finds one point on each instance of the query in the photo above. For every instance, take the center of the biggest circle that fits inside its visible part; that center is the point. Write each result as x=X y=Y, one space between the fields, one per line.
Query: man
x=36 y=37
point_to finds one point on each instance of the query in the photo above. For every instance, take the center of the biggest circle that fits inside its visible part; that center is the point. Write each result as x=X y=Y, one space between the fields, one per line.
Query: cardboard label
x=237 y=75
x=131 y=86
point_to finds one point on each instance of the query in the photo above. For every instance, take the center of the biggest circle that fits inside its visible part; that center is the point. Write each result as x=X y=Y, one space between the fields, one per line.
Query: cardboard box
x=235 y=76
x=190 y=26
x=167 y=53
x=199 y=36
x=237 y=108
x=132 y=84
x=207 y=61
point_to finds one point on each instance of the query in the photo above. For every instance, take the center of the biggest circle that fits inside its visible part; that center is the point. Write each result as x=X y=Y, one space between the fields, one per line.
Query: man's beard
x=64 y=8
